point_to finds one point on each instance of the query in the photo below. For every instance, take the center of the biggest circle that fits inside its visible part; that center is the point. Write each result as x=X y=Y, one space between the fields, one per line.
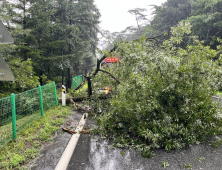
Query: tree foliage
x=59 y=36
x=204 y=16
x=139 y=16
x=169 y=14
x=206 y=20
x=164 y=95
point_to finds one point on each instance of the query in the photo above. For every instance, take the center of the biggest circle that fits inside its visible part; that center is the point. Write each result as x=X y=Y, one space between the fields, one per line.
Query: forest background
x=57 y=39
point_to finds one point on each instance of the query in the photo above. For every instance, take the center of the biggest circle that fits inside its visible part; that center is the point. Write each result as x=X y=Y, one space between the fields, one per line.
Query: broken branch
x=110 y=75
x=69 y=131
x=79 y=107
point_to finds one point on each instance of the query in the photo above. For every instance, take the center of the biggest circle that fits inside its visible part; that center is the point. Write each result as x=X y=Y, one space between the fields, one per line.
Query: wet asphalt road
x=50 y=154
x=92 y=153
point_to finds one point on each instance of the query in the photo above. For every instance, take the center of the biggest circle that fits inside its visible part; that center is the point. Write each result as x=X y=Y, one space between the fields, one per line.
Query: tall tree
x=206 y=20
x=169 y=14
x=15 y=15
x=139 y=16
x=79 y=23
x=54 y=34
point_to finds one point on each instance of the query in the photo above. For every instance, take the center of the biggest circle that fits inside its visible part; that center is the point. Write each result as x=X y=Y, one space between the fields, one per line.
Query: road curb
x=67 y=154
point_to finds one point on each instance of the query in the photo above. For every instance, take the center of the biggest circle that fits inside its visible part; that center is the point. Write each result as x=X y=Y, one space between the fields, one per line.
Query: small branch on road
x=69 y=131
x=80 y=107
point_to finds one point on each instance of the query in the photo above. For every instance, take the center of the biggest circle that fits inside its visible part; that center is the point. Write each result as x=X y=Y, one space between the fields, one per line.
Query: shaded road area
x=96 y=154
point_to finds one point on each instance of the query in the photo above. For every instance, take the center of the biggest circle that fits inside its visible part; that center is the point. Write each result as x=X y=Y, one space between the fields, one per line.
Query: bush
x=164 y=99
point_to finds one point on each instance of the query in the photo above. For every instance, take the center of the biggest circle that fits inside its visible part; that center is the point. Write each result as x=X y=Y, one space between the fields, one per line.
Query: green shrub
x=164 y=99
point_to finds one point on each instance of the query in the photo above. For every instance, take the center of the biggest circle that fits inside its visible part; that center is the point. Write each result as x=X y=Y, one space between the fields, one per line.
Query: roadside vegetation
x=82 y=91
x=29 y=141
x=164 y=96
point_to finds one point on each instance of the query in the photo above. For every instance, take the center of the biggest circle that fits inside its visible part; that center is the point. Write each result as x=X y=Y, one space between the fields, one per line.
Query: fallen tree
x=82 y=98
x=164 y=98
x=99 y=61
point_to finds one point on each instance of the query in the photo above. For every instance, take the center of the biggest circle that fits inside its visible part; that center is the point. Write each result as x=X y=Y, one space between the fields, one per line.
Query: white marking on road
x=67 y=154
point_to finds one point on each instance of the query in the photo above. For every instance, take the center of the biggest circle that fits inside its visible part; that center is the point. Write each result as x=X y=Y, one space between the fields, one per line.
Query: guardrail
x=20 y=110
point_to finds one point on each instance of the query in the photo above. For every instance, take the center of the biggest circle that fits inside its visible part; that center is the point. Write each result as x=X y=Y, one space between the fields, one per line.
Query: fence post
x=40 y=99
x=55 y=93
x=13 y=116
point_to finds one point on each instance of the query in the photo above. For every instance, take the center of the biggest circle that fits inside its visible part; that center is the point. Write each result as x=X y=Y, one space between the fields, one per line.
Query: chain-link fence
x=20 y=110
x=48 y=96
x=76 y=81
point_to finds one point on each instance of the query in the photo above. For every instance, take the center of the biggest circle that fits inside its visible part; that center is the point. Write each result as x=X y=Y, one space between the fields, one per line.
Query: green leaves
x=165 y=164
x=164 y=99
x=60 y=34
x=179 y=31
x=24 y=75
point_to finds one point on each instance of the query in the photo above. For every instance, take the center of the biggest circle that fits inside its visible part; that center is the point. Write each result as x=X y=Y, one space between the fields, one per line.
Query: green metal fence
x=20 y=110
x=76 y=81
x=6 y=118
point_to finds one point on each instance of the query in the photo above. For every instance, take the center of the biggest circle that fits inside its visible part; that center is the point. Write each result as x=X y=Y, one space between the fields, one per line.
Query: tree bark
x=89 y=86
x=62 y=77
x=40 y=79
x=69 y=78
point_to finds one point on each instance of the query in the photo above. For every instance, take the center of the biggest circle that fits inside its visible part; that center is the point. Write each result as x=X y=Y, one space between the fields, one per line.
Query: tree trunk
x=69 y=78
x=89 y=87
x=40 y=79
x=24 y=28
x=62 y=77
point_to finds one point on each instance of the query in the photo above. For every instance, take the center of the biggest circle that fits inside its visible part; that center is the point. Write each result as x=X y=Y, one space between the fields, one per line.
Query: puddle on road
x=102 y=157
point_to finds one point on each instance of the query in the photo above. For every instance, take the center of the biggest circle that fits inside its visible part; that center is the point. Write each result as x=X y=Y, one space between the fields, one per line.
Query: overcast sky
x=115 y=16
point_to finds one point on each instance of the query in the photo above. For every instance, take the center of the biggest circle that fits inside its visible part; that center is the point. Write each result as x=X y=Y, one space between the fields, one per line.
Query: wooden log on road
x=81 y=98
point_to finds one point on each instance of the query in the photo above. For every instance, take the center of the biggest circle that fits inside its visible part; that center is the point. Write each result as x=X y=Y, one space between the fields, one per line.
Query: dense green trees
x=169 y=14
x=204 y=16
x=58 y=36
x=206 y=20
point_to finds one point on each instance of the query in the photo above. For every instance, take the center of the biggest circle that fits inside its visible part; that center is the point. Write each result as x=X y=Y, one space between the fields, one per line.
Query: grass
x=84 y=87
x=16 y=154
x=81 y=92
x=6 y=130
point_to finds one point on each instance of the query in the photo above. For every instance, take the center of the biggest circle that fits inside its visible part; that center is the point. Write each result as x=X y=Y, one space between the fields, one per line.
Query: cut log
x=81 y=98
